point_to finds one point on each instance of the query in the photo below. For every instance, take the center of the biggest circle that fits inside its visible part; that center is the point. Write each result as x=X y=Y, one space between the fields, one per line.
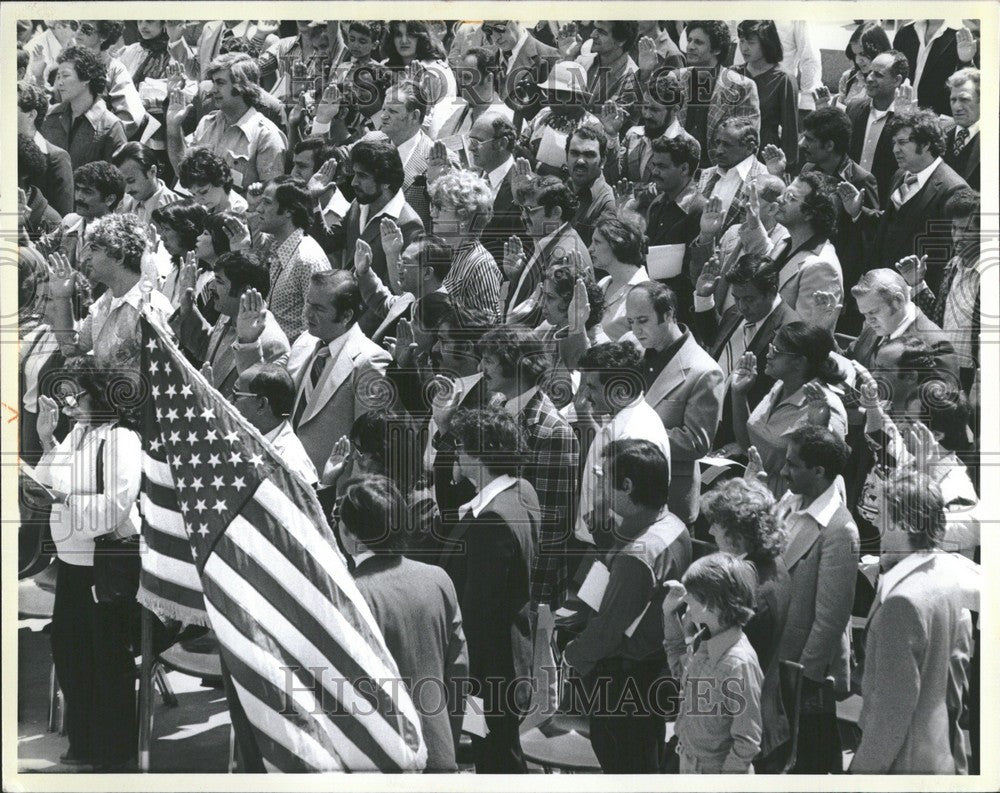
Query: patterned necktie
x=909 y=180
x=961 y=138
x=712 y=181
x=320 y=358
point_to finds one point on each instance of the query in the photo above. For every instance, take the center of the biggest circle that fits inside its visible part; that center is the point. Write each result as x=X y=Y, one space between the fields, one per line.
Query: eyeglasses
x=531 y=210
x=88 y=30
x=775 y=351
x=243 y=393
x=70 y=400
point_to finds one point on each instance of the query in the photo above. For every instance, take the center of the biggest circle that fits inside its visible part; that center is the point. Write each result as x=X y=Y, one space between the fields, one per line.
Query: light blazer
x=737 y=209
x=734 y=96
x=823 y=565
x=351 y=385
x=810 y=270
x=916 y=649
x=687 y=396
x=532 y=63
x=196 y=60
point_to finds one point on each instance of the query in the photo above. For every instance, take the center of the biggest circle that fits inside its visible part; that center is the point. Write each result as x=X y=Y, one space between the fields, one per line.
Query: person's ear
x=627 y=487
x=152 y=173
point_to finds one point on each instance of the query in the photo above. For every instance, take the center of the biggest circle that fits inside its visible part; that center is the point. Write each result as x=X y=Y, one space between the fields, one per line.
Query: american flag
x=232 y=533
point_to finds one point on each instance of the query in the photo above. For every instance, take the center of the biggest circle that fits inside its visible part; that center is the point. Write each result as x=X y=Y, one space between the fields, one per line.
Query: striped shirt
x=474 y=278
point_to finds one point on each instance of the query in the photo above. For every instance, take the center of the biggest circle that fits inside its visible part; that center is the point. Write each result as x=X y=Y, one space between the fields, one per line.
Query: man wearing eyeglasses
x=522 y=57
x=477 y=79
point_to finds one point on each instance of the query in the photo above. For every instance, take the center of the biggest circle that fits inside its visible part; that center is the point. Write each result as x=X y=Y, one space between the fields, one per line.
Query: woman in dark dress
x=776 y=89
x=741 y=519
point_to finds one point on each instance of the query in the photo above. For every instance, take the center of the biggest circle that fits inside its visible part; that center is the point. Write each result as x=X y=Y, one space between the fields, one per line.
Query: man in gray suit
x=822 y=560
x=918 y=640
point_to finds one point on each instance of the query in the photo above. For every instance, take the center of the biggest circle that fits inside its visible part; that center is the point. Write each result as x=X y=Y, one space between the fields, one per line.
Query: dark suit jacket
x=489 y=560
x=408 y=221
x=57 y=184
x=966 y=163
x=942 y=62
x=506 y=221
x=945 y=363
x=714 y=333
x=919 y=226
x=602 y=205
x=417 y=611
x=884 y=164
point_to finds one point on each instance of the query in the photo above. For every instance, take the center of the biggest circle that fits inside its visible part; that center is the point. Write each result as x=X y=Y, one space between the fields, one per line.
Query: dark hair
x=434 y=252
x=683 y=150
x=109 y=31
x=89 y=68
x=32 y=97
x=244 y=271
x=830 y=124
x=589 y=132
x=964 y=202
x=661 y=296
x=619 y=369
x=321 y=148
x=755 y=269
x=133 y=150
x=814 y=344
x=186 y=218
x=719 y=37
x=900 y=66
x=643 y=463
x=293 y=199
x=382 y=159
x=925 y=129
x=468 y=325
x=492 y=436
x=519 y=351
x=946 y=410
x=504 y=130
x=215 y=225
x=373 y=510
x=430 y=310
x=873 y=40
x=104 y=387
x=486 y=60
x=273 y=382
x=428 y=47
x=821 y=204
x=766 y=33
x=203 y=166
x=626 y=31
x=374 y=29
x=915 y=505
x=103 y=177
x=344 y=291
x=624 y=237
x=23 y=59
x=745 y=128
x=414 y=98
x=744 y=508
x=30 y=160
x=821 y=448
x=551 y=192
x=563 y=278
x=726 y=585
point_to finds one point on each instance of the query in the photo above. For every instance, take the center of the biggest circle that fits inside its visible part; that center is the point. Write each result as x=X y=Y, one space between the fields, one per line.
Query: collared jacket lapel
x=337 y=372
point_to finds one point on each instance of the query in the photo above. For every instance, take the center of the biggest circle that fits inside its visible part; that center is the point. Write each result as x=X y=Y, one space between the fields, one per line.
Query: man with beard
x=378 y=196
x=658 y=113
x=586 y=151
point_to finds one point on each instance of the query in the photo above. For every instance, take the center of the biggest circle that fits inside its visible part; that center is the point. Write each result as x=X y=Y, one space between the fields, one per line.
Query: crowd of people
x=640 y=307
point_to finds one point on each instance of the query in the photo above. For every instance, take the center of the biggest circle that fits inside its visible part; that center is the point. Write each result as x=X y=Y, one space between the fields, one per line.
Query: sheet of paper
x=721 y=462
x=592 y=590
x=635 y=623
x=552 y=149
x=665 y=261
x=474 y=722
x=33 y=475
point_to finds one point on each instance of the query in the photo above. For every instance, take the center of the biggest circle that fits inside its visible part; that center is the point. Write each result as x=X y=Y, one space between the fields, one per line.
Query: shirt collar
x=338 y=204
x=823 y=508
x=243 y=122
x=686 y=196
x=899 y=571
x=517 y=404
x=742 y=168
x=925 y=174
x=406 y=148
x=95 y=111
x=719 y=644
x=485 y=496
x=133 y=297
x=973 y=131
x=877 y=114
x=43 y=144
x=277 y=432
x=759 y=322
x=392 y=209
x=498 y=174
x=909 y=315
x=673 y=130
x=920 y=27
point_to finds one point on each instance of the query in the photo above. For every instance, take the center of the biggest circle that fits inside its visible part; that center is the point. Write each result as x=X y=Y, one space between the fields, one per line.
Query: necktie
x=712 y=181
x=909 y=180
x=961 y=138
x=320 y=358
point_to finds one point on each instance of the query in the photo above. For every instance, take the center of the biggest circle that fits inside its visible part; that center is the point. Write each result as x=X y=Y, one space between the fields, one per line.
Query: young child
x=719 y=724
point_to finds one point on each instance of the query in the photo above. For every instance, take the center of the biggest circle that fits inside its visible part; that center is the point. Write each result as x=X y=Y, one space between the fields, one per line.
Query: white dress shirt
x=485 y=496
x=922 y=176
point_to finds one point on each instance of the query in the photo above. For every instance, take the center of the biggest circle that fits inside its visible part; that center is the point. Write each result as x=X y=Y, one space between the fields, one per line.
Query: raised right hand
x=774 y=159
x=745 y=373
x=252 y=318
x=850 y=197
x=513 y=256
x=712 y=218
x=62 y=277
x=362 y=257
x=392 y=239
x=710 y=276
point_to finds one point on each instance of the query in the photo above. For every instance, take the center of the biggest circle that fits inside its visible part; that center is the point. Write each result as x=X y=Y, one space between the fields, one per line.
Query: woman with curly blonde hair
x=742 y=520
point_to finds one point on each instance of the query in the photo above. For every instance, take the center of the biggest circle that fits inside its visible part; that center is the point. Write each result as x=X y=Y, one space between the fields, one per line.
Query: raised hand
x=321 y=181
x=850 y=197
x=207 y=373
x=252 y=318
x=238 y=233
x=821 y=96
x=674 y=597
x=826 y=308
x=513 y=256
x=709 y=278
x=712 y=218
x=362 y=257
x=447 y=395
x=866 y=387
x=523 y=176
x=177 y=109
x=624 y=192
x=62 y=277
x=406 y=347
x=579 y=306
x=569 y=41
x=645 y=193
x=337 y=461
x=175 y=77
x=329 y=105
x=817 y=407
x=913 y=269
x=188 y=280
x=906 y=99
x=298 y=113
x=648 y=59
x=745 y=373
x=921 y=443
x=612 y=117
x=438 y=163
x=177 y=29
x=755 y=466
x=152 y=238
x=967 y=45
x=392 y=239
x=48 y=418
x=774 y=159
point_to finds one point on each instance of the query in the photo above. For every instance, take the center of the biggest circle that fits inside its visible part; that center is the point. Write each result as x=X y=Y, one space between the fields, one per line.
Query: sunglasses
x=70 y=400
